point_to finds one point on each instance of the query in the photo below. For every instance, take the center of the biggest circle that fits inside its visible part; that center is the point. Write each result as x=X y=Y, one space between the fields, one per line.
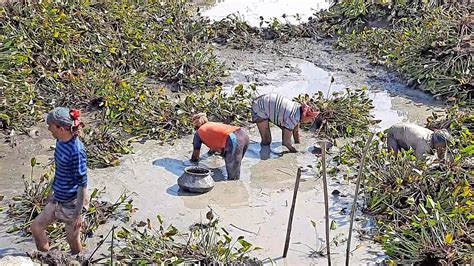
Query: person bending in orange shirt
x=230 y=141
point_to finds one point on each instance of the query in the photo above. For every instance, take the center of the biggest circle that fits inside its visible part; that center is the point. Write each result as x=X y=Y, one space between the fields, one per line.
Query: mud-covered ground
x=257 y=206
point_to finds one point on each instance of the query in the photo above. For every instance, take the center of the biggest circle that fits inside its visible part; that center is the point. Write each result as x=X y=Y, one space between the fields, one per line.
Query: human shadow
x=176 y=167
x=263 y=152
x=172 y=165
x=10 y=252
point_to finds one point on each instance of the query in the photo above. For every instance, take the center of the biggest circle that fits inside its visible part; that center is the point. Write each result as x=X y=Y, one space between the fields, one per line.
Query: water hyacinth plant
x=116 y=61
x=343 y=114
x=423 y=209
x=205 y=243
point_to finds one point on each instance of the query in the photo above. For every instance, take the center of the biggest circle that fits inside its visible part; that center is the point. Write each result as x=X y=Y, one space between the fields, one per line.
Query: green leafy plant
x=205 y=243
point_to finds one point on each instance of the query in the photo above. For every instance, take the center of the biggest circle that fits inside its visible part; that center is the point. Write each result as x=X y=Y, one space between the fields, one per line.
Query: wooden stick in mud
x=100 y=243
x=356 y=193
x=292 y=210
x=112 y=248
x=326 y=199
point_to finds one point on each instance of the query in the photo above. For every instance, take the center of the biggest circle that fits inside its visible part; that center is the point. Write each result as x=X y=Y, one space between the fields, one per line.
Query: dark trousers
x=234 y=152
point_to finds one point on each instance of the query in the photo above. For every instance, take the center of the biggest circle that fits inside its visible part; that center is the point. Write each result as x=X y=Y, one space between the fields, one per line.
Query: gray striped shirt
x=279 y=110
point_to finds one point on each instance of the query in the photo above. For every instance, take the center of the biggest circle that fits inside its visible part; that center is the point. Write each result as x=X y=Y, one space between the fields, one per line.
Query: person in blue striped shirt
x=282 y=112
x=68 y=196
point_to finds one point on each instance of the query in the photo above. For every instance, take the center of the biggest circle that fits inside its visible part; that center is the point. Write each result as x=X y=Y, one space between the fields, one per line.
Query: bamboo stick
x=292 y=210
x=356 y=193
x=326 y=199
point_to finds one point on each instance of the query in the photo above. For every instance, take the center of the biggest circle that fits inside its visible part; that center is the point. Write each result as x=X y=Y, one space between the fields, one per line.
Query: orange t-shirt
x=214 y=135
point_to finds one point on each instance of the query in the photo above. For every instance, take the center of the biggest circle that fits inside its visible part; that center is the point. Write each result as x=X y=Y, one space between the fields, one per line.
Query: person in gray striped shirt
x=282 y=112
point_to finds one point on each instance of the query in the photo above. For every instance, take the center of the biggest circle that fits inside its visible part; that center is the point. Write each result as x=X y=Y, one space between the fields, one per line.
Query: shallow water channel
x=257 y=206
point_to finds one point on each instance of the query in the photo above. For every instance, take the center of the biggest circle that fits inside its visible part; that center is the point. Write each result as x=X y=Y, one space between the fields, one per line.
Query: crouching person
x=68 y=196
x=284 y=113
x=230 y=141
x=420 y=139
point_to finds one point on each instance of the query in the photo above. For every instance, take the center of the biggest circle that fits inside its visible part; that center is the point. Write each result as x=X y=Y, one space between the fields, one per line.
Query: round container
x=196 y=180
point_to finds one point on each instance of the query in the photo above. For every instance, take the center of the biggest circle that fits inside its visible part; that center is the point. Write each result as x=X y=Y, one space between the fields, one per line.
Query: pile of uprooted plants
x=205 y=243
x=423 y=208
x=116 y=62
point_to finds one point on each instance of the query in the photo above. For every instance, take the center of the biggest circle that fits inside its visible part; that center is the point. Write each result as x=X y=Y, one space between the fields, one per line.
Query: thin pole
x=326 y=199
x=100 y=243
x=354 y=204
x=112 y=248
x=292 y=210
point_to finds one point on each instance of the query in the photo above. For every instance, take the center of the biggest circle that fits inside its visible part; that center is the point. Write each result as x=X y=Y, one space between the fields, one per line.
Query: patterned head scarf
x=308 y=111
x=65 y=117
x=199 y=119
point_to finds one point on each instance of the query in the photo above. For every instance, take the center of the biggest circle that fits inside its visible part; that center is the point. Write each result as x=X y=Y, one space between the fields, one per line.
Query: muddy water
x=256 y=206
x=291 y=76
x=252 y=10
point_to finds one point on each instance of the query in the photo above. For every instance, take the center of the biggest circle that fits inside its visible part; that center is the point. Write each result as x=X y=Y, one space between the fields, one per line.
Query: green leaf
x=468 y=150
x=171 y=231
x=160 y=220
x=123 y=233
x=228 y=239
x=33 y=162
x=448 y=238
x=245 y=245
x=13 y=229
x=430 y=204
x=94 y=193
x=333 y=225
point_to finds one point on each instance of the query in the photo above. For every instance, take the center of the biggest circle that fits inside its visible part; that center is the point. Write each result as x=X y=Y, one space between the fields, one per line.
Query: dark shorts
x=61 y=211
x=234 y=151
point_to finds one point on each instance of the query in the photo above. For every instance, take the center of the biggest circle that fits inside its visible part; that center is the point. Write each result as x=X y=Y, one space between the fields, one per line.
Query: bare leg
x=39 y=225
x=265 y=134
x=296 y=134
x=73 y=237
x=286 y=139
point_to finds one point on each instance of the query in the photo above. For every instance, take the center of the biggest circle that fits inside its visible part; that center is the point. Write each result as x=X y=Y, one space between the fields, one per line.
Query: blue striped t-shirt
x=71 y=169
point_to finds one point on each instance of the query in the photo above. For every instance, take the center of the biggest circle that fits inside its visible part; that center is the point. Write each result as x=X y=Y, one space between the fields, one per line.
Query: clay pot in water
x=196 y=180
